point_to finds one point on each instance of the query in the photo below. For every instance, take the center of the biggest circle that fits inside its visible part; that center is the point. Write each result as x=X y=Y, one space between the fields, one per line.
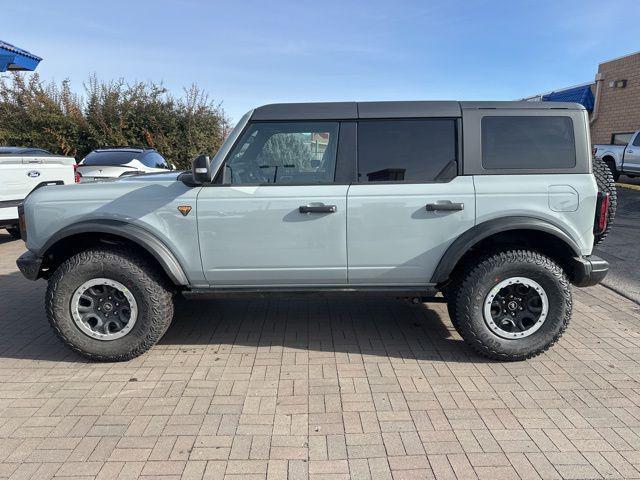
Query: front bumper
x=29 y=264
x=588 y=271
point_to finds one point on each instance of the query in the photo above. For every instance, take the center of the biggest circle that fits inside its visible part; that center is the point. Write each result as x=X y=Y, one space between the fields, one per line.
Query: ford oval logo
x=33 y=174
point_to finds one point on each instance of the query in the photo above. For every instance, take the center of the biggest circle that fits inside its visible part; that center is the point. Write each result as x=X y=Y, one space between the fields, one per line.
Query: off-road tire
x=611 y=165
x=606 y=183
x=14 y=232
x=144 y=281
x=478 y=280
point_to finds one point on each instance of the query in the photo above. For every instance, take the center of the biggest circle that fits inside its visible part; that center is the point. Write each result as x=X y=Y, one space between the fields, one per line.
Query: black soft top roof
x=403 y=109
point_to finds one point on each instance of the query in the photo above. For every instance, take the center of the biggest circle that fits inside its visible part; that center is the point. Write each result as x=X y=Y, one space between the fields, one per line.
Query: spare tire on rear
x=606 y=184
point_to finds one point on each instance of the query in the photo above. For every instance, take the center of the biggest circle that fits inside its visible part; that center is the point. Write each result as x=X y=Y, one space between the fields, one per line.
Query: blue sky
x=246 y=53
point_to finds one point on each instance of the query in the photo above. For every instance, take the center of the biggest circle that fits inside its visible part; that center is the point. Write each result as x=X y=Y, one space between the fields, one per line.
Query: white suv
x=110 y=163
x=24 y=169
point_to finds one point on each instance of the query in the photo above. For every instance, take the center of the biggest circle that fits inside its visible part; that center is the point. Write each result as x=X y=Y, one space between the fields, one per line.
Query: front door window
x=284 y=153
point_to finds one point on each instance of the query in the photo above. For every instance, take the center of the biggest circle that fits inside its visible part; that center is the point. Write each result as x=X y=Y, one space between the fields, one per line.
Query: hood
x=106 y=190
x=144 y=199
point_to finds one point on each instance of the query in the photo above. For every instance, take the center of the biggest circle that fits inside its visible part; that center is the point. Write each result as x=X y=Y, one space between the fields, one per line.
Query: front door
x=276 y=217
x=409 y=203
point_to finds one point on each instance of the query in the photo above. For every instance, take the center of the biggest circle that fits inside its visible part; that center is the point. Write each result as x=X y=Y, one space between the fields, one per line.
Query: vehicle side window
x=154 y=160
x=284 y=153
x=622 y=138
x=407 y=150
x=527 y=142
x=636 y=141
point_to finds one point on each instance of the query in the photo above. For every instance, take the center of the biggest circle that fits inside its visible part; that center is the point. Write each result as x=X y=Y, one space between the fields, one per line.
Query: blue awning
x=14 y=58
x=582 y=95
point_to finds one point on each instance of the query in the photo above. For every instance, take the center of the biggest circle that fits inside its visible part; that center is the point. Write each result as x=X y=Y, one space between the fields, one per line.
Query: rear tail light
x=594 y=150
x=602 y=213
x=76 y=173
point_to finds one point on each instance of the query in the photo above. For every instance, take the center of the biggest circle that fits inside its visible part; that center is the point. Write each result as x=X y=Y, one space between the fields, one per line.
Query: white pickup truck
x=22 y=170
x=621 y=159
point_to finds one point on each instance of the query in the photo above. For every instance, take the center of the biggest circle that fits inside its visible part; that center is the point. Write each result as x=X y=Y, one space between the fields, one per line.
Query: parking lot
x=318 y=387
x=620 y=249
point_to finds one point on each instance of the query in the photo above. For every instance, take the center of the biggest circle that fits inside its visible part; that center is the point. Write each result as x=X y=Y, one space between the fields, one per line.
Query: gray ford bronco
x=495 y=205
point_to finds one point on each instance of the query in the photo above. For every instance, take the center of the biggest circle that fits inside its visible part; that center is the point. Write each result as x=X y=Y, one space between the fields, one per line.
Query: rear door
x=277 y=217
x=409 y=204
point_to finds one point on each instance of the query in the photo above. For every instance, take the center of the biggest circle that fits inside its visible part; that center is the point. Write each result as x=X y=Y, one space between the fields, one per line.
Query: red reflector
x=603 y=215
x=76 y=173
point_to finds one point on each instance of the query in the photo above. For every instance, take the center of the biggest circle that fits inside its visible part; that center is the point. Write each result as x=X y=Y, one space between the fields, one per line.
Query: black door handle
x=444 y=207
x=317 y=208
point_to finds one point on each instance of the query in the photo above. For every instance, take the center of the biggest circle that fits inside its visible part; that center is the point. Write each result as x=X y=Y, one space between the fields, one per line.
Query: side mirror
x=201 y=169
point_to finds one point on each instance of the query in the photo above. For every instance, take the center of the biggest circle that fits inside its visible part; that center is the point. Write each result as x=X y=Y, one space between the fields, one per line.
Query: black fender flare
x=138 y=235
x=473 y=236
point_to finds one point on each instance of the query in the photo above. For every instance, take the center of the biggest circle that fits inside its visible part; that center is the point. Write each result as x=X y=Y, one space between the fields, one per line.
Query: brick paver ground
x=321 y=388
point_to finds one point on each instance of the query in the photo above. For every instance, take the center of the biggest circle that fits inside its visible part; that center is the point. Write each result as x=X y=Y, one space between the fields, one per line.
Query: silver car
x=116 y=162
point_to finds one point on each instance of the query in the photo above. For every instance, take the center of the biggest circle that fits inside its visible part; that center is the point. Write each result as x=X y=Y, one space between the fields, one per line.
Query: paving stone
x=322 y=388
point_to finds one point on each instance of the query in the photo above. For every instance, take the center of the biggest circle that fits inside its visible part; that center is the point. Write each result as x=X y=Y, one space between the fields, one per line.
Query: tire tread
x=135 y=265
x=606 y=183
x=464 y=300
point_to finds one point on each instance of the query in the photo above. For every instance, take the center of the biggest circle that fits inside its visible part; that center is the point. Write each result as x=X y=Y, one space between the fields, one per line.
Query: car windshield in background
x=107 y=158
x=23 y=151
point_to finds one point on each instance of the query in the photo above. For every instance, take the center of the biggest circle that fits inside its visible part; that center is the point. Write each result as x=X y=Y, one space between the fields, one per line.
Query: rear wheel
x=512 y=305
x=606 y=183
x=108 y=304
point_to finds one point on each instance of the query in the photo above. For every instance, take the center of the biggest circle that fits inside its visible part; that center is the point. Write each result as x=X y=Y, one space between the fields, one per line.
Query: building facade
x=617 y=110
x=612 y=99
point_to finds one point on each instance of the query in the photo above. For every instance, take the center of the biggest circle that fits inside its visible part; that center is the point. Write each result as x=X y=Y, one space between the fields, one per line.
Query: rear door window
x=407 y=150
x=527 y=142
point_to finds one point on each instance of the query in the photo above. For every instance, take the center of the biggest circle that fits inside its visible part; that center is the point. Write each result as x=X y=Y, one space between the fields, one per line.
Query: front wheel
x=108 y=304
x=512 y=305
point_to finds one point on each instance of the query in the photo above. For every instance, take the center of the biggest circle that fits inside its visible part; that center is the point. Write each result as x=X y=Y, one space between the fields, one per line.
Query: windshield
x=106 y=158
x=229 y=142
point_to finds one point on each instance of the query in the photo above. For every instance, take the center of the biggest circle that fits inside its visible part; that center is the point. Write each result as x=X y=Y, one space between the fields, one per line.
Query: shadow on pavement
x=6 y=238
x=363 y=325
x=315 y=323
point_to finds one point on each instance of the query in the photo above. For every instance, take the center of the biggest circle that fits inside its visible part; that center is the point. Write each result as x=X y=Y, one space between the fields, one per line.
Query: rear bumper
x=29 y=264
x=588 y=271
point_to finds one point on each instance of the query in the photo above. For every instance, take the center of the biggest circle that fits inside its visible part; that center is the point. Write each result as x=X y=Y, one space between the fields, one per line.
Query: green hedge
x=49 y=115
